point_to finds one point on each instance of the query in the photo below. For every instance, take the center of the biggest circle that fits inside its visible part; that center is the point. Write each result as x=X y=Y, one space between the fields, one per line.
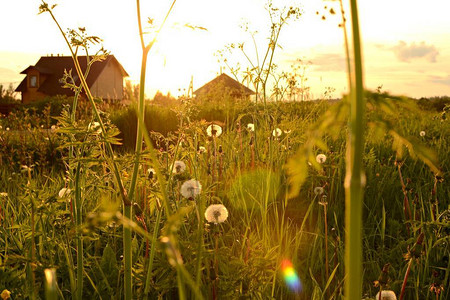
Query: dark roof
x=224 y=81
x=54 y=67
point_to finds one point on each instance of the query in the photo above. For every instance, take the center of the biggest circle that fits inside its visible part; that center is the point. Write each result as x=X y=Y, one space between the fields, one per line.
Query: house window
x=33 y=81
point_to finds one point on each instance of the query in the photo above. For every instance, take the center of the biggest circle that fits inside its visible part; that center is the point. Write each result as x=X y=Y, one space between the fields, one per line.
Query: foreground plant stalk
x=355 y=178
x=127 y=209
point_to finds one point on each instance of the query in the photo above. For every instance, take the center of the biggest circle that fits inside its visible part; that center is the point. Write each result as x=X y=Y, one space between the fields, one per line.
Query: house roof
x=54 y=67
x=224 y=81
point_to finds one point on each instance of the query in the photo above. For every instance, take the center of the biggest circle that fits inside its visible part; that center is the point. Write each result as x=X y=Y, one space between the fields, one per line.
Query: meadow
x=241 y=165
x=225 y=199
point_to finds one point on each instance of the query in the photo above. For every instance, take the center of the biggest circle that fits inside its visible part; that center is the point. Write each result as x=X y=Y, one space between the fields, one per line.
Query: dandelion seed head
x=178 y=167
x=63 y=192
x=190 y=189
x=216 y=213
x=318 y=190
x=7 y=128
x=321 y=158
x=386 y=295
x=95 y=126
x=3 y=194
x=214 y=130
x=251 y=127
x=422 y=133
x=201 y=150
x=277 y=132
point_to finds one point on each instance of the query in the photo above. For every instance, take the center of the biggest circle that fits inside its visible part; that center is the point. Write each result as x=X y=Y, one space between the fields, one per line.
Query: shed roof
x=224 y=81
x=54 y=67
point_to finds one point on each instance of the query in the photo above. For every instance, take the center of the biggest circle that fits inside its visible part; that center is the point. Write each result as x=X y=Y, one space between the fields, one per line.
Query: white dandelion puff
x=95 y=126
x=201 y=150
x=214 y=130
x=422 y=133
x=178 y=167
x=386 y=295
x=7 y=128
x=190 y=189
x=63 y=192
x=251 y=127
x=216 y=213
x=321 y=158
x=318 y=190
x=3 y=194
x=277 y=132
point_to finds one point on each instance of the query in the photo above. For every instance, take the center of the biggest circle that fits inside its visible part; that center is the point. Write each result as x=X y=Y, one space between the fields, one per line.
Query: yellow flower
x=5 y=294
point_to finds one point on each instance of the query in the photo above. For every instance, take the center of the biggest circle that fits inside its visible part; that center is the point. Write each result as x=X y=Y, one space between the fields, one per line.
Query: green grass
x=242 y=256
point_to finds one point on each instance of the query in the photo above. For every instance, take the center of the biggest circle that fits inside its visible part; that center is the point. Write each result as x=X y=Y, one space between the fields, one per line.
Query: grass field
x=260 y=244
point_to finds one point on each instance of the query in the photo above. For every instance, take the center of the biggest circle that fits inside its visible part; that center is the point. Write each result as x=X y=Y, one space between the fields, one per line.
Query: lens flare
x=290 y=276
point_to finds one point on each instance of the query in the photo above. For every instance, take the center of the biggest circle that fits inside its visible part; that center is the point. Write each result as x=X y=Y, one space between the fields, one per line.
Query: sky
x=406 y=43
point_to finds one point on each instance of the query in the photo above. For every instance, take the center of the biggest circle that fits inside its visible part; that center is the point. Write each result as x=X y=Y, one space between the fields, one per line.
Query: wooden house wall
x=109 y=84
x=32 y=94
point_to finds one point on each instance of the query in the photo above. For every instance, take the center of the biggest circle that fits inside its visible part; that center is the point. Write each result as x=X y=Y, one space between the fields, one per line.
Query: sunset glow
x=405 y=46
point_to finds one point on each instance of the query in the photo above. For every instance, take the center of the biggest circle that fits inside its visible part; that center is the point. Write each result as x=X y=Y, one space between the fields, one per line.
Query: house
x=223 y=88
x=105 y=78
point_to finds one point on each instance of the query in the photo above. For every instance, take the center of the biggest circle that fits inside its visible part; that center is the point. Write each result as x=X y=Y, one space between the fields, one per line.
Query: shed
x=223 y=86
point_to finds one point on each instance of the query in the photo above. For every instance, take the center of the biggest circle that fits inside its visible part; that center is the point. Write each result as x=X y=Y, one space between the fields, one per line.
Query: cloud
x=329 y=62
x=405 y=53
x=440 y=80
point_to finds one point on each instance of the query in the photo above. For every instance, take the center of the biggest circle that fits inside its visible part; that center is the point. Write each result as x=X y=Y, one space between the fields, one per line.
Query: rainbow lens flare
x=290 y=276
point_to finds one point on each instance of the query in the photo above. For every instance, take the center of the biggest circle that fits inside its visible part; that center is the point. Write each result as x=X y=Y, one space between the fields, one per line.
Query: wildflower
x=151 y=173
x=190 y=189
x=63 y=192
x=7 y=128
x=3 y=194
x=386 y=295
x=422 y=133
x=318 y=190
x=5 y=294
x=277 y=132
x=216 y=213
x=178 y=167
x=251 y=127
x=321 y=158
x=201 y=150
x=214 y=130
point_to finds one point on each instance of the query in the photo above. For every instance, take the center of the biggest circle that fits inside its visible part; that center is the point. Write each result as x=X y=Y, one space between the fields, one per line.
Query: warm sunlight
x=396 y=45
x=247 y=149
